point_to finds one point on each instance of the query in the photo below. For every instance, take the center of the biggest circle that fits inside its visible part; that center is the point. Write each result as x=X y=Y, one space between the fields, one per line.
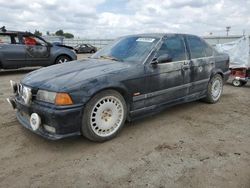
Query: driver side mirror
x=165 y=58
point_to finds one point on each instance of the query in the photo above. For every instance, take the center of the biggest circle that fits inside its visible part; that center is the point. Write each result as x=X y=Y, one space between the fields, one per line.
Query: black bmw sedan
x=134 y=76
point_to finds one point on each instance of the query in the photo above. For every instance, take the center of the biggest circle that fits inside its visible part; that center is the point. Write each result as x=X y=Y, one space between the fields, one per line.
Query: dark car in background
x=24 y=49
x=85 y=48
x=134 y=76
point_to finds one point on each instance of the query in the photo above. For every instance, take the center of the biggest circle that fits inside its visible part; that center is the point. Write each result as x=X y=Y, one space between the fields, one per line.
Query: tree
x=38 y=33
x=59 y=32
x=68 y=35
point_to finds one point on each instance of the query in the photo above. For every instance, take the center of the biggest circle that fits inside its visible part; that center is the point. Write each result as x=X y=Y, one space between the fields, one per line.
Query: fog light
x=35 y=121
x=50 y=129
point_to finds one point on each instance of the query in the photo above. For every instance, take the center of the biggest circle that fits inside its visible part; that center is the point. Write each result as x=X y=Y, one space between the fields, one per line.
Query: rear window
x=5 y=39
x=196 y=47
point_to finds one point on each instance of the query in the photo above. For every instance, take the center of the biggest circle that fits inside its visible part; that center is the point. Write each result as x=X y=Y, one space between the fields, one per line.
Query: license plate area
x=25 y=115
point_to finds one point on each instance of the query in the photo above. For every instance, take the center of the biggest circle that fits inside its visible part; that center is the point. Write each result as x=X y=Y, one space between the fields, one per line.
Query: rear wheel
x=215 y=89
x=104 y=116
x=62 y=59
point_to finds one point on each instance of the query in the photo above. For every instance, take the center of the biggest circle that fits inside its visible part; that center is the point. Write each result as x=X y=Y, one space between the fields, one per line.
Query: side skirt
x=151 y=110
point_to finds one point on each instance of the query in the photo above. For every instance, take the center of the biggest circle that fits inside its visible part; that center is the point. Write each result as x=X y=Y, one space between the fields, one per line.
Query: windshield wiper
x=110 y=57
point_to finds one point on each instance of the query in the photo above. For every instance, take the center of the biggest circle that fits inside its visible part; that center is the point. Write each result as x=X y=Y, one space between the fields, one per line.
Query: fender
x=118 y=86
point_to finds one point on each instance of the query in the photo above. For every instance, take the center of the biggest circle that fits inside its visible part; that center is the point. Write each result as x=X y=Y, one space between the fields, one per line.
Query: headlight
x=59 y=99
x=26 y=95
x=46 y=96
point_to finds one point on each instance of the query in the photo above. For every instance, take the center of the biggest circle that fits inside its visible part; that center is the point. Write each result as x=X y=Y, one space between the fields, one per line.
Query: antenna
x=228 y=29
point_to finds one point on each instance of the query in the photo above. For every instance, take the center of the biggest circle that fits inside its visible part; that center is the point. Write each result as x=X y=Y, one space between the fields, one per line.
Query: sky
x=114 y=18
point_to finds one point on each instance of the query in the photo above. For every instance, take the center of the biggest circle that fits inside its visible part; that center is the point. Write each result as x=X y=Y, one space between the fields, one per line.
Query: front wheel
x=215 y=89
x=104 y=116
x=62 y=59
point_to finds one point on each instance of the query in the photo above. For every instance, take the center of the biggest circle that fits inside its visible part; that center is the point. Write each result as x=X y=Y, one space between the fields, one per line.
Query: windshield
x=128 y=49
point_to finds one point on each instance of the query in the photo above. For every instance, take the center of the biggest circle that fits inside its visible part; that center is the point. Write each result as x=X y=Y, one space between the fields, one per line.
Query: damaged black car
x=134 y=76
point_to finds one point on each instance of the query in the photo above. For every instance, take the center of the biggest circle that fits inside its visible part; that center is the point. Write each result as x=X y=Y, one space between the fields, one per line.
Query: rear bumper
x=66 y=122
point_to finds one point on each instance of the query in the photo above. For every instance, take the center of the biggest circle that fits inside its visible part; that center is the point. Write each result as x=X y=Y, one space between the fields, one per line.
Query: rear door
x=12 y=53
x=168 y=82
x=202 y=62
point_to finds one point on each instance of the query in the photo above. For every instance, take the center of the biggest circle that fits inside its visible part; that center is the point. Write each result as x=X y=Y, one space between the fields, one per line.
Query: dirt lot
x=190 y=145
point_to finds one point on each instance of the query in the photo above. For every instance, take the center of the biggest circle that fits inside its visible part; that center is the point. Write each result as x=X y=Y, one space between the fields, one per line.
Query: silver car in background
x=24 y=49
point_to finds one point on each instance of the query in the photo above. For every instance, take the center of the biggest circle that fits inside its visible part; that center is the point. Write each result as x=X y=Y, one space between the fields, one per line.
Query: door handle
x=185 y=66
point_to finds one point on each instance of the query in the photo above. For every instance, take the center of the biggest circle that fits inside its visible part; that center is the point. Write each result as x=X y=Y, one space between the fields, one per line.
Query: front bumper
x=65 y=120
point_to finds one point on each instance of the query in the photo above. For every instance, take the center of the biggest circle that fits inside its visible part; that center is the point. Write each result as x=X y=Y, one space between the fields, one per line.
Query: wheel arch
x=119 y=89
x=60 y=55
x=217 y=71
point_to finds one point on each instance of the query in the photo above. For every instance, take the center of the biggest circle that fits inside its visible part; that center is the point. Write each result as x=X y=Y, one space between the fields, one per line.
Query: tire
x=104 y=116
x=243 y=83
x=237 y=83
x=214 y=90
x=62 y=59
x=92 y=51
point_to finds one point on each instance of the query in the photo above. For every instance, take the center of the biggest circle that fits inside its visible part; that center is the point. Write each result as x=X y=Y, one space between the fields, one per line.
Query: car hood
x=62 y=77
x=62 y=45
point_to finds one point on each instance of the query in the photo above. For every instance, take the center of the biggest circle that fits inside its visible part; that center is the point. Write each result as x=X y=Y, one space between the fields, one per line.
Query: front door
x=86 y=48
x=169 y=82
x=37 y=51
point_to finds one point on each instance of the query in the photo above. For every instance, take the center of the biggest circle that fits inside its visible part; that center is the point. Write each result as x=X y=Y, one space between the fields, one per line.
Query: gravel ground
x=190 y=145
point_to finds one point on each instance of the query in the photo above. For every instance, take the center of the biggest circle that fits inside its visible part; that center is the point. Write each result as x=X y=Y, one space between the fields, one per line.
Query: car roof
x=16 y=32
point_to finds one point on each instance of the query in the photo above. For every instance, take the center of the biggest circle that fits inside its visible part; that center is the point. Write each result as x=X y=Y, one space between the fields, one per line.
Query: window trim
x=185 y=49
x=190 y=48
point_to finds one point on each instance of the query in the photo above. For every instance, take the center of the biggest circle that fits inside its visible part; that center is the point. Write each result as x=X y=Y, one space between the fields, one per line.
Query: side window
x=30 y=40
x=173 y=46
x=208 y=49
x=16 y=39
x=5 y=39
x=196 y=47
